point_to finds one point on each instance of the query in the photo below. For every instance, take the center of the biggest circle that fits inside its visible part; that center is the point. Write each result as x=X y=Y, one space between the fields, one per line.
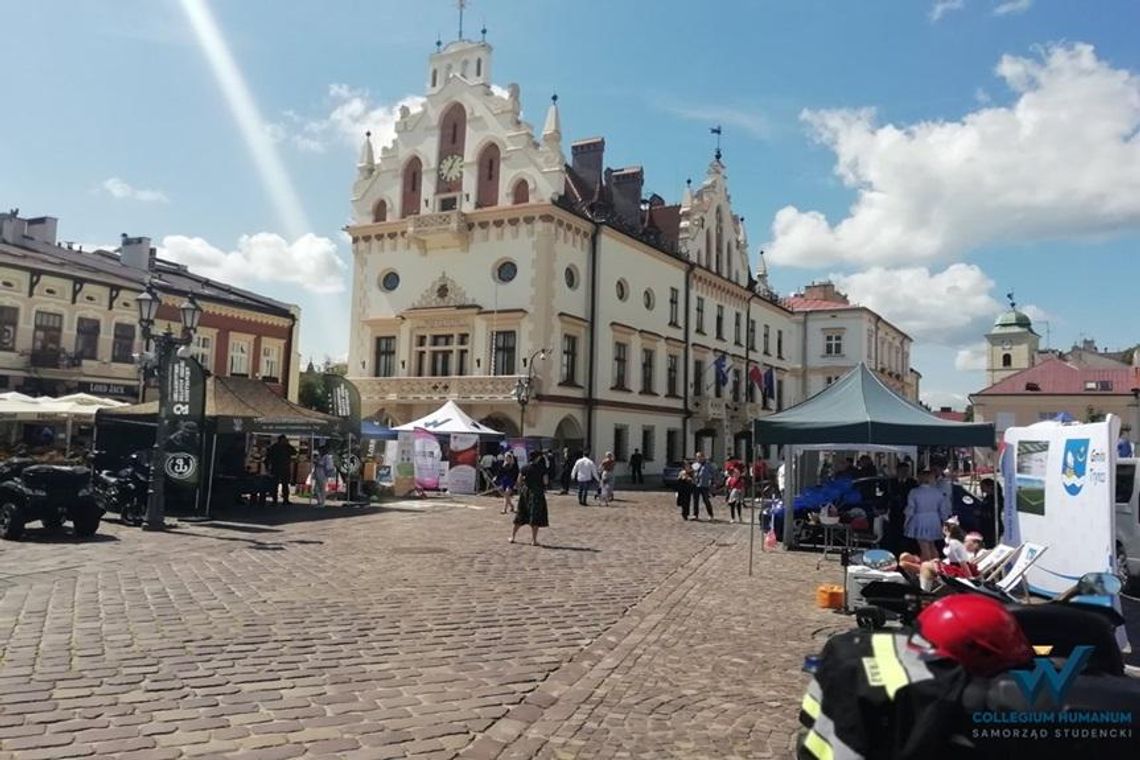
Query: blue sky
x=1002 y=152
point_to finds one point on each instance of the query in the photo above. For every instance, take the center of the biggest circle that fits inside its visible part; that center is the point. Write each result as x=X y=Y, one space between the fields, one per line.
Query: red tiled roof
x=1058 y=377
x=952 y=416
x=799 y=303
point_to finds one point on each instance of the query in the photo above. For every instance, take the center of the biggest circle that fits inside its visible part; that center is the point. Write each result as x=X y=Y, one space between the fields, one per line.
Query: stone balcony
x=447 y=229
x=457 y=388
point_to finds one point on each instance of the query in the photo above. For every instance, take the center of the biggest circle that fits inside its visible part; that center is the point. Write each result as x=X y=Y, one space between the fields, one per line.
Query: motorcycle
x=125 y=490
x=52 y=494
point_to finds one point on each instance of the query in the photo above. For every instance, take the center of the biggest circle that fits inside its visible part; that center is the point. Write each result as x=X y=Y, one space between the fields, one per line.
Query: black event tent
x=859 y=409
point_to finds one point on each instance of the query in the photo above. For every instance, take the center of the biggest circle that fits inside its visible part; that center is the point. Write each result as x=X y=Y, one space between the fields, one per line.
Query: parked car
x=1128 y=522
x=52 y=494
x=671 y=474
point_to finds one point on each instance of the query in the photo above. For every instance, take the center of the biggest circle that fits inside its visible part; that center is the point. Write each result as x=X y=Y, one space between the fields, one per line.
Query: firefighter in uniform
x=894 y=695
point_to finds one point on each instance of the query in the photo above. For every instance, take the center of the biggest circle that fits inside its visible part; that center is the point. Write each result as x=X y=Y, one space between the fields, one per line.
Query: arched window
x=478 y=67
x=463 y=68
x=434 y=77
x=521 y=193
x=1006 y=360
x=452 y=136
x=380 y=211
x=488 y=189
x=412 y=188
x=708 y=247
x=719 y=240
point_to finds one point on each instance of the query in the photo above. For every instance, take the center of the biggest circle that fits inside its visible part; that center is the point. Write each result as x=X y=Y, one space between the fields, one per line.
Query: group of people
x=697 y=481
x=278 y=462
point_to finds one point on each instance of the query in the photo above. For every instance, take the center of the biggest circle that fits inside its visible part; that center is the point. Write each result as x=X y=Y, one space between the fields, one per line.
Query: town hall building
x=551 y=295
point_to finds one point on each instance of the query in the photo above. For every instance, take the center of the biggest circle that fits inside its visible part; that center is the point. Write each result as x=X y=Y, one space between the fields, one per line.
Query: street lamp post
x=523 y=389
x=159 y=351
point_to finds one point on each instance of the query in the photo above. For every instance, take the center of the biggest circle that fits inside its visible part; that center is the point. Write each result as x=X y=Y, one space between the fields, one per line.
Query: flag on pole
x=770 y=383
x=756 y=375
x=721 y=365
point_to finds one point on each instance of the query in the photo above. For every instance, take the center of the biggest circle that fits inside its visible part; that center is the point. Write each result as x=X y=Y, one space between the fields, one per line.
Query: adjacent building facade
x=1028 y=385
x=490 y=258
x=837 y=335
x=69 y=323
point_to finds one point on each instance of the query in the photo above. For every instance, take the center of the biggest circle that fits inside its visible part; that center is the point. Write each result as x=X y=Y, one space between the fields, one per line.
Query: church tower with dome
x=1012 y=344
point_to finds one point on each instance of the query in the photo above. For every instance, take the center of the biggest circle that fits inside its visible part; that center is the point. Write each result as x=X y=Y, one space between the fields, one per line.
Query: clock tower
x=1012 y=344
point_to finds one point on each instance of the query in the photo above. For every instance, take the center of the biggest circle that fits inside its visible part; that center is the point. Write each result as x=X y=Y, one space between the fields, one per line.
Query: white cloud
x=1062 y=161
x=981 y=96
x=310 y=262
x=971 y=358
x=938 y=399
x=942 y=7
x=351 y=114
x=1011 y=7
x=121 y=190
x=947 y=307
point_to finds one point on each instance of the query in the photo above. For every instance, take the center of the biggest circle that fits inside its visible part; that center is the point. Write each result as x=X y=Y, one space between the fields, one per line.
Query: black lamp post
x=523 y=389
x=159 y=350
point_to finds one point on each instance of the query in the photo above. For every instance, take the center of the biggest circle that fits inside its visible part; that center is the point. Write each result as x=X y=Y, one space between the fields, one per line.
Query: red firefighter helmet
x=977 y=632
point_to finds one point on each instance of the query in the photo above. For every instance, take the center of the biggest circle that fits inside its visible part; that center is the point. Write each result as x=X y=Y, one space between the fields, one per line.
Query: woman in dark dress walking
x=532 y=500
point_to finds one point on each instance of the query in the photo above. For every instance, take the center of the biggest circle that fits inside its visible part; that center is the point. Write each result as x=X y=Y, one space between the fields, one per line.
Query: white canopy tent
x=17 y=407
x=448 y=419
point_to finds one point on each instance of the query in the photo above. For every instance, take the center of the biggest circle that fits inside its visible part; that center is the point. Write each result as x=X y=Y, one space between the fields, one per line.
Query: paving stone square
x=410 y=630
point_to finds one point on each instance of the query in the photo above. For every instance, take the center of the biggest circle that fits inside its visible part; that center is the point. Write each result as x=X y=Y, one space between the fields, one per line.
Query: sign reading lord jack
x=181 y=420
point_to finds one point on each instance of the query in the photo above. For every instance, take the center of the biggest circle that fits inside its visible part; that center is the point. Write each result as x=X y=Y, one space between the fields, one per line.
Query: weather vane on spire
x=1012 y=303
x=717 y=131
x=461 y=4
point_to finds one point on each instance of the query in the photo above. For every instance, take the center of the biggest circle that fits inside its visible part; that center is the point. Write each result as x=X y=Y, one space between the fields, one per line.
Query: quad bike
x=49 y=493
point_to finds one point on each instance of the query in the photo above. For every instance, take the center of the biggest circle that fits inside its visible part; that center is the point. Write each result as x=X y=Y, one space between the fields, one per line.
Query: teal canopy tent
x=859 y=410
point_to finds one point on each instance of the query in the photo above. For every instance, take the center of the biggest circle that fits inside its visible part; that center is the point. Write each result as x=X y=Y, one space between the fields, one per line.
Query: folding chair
x=1027 y=557
x=995 y=558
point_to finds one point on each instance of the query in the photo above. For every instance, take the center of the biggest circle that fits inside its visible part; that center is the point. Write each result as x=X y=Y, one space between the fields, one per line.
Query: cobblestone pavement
x=412 y=630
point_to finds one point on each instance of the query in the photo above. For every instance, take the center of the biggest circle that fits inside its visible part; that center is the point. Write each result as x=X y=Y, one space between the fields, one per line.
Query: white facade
x=476 y=246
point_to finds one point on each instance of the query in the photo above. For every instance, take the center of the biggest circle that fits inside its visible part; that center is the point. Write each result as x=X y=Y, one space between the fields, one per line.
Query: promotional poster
x=425 y=459
x=181 y=420
x=1062 y=497
x=463 y=460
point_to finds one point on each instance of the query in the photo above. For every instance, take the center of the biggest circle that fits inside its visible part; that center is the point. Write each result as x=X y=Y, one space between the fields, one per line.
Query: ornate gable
x=443 y=292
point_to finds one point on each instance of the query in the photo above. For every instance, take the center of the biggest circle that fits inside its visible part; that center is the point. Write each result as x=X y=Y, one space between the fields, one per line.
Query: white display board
x=1060 y=491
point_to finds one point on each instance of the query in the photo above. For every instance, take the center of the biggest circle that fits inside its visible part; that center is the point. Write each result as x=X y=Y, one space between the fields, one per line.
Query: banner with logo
x=1060 y=493
x=344 y=402
x=181 y=417
x=463 y=460
x=425 y=459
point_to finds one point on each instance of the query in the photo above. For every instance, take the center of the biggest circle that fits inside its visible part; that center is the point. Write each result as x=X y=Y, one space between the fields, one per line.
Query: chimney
x=586 y=160
x=824 y=291
x=134 y=252
x=42 y=229
x=12 y=227
x=627 y=184
x=946 y=409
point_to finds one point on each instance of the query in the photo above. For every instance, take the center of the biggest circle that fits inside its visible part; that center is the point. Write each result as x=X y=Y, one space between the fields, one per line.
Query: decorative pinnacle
x=554 y=98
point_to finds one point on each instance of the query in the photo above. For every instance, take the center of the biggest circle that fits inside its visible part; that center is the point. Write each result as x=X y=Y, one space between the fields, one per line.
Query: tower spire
x=552 y=129
x=461 y=4
x=717 y=131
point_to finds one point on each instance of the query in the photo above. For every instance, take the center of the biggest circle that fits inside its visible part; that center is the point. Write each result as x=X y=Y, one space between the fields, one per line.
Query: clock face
x=451 y=167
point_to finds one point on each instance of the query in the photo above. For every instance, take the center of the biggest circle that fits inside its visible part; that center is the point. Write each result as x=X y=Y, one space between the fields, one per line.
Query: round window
x=389 y=280
x=506 y=271
x=571 y=276
x=648 y=299
x=622 y=290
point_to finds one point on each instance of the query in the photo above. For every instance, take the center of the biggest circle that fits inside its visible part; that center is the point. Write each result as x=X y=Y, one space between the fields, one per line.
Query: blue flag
x=769 y=383
x=721 y=365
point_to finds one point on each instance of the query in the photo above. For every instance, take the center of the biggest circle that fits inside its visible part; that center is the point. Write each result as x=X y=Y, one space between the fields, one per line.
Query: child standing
x=735 y=486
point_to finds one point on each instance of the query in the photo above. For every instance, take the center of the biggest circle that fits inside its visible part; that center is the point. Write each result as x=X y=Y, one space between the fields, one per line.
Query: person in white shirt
x=323 y=468
x=585 y=474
